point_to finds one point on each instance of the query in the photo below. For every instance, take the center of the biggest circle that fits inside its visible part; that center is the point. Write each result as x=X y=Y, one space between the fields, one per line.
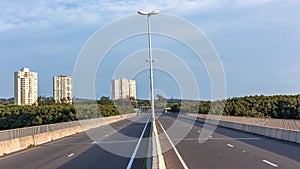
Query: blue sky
x=257 y=40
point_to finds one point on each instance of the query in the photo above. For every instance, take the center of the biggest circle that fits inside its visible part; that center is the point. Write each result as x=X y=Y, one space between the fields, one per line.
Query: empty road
x=118 y=146
x=112 y=146
x=225 y=148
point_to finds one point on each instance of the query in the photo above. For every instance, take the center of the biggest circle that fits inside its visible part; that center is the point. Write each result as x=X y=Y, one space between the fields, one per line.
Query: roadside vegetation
x=279 y=106
x=12 y=116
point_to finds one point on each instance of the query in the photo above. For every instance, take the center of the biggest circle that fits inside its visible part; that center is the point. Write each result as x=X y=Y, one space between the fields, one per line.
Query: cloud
x=14 y=14
x=247 y=3
x=19 y=13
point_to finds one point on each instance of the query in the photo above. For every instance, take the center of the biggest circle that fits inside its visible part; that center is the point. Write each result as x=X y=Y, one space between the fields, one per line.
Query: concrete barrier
x=262 y=131
x=248 y=128
x=292 y=136
x=277 y=133
x=268 y=132
x=273 y=133
x=9 y=146
x=26 y=141
x=16 y=144
x=298 y=137
x=285 y=135
x=42 y=138
x=281 y=134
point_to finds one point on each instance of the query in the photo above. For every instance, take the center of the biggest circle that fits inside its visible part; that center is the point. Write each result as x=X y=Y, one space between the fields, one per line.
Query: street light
x=148 y=14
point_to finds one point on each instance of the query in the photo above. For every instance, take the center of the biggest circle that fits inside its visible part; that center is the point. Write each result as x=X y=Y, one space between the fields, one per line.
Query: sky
x=257 y=42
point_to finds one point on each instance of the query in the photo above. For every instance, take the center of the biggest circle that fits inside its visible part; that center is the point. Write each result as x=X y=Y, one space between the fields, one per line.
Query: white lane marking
x=216 y=138
x=120 y=141
x=173 y=146
x=132 y=126
x=121 y=127
x=161 y=161
x=100 y=142
x=270 y=163
x=230 y=145
x=137 y=146
x=70 y=155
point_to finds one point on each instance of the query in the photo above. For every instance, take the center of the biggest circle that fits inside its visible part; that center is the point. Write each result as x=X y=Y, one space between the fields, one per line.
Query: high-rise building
x=123 y=88
x=62 y=89
x=26 y=87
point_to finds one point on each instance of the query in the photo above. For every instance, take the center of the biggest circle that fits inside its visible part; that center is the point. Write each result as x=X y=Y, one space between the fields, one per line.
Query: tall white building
x=123 y=88
x=62 y=89
x=26 y=87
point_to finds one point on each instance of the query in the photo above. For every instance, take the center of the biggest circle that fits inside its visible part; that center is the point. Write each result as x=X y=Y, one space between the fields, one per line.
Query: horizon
x=74 y=97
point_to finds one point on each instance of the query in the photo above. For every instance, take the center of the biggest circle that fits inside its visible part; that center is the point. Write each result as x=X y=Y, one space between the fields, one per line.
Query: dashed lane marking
x=70 y=155
x=270 y=163
x=230 y=145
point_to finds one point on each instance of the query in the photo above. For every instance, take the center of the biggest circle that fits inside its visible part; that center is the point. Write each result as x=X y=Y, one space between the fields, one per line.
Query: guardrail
x=288 y=130
x=18 y=139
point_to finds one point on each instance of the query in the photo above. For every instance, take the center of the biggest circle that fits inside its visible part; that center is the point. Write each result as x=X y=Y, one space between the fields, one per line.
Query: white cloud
x=19 y=13
x=247 y=3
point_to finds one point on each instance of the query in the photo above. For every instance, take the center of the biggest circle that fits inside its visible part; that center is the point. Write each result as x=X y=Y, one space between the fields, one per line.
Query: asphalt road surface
x=224 y=149
x=111 y=146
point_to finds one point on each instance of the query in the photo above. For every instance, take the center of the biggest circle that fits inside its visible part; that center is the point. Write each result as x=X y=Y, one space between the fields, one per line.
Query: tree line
x=48 y=112
x=278 y=106
x=12 y=116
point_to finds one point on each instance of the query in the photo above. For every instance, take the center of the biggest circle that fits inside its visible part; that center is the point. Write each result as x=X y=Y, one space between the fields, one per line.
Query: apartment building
x=123 y=88
x=62 y=89
x=25 y=87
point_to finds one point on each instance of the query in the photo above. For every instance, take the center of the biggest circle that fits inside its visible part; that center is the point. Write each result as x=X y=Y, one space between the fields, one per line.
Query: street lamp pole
x=148 y=14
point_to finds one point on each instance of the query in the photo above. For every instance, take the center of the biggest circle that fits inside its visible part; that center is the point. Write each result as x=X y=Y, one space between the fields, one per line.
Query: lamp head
x=154 y=12
x=148 y=13
x=142 y=13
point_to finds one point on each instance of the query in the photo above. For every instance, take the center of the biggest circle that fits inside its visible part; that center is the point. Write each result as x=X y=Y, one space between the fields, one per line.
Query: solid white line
x=173 y=146
x=270 y=163
x=230 y=145
x=137 y=146
x=161 y=161
x=70 y=155
x=216 y=138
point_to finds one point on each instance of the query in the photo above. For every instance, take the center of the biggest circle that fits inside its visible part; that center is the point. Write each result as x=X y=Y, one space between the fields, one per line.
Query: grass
x=31 y=146
x=145 y=163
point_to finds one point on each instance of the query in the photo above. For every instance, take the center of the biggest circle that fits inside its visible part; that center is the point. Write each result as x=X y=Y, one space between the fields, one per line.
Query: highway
x=225 y=148
x=81 y=152
x=118 y=145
